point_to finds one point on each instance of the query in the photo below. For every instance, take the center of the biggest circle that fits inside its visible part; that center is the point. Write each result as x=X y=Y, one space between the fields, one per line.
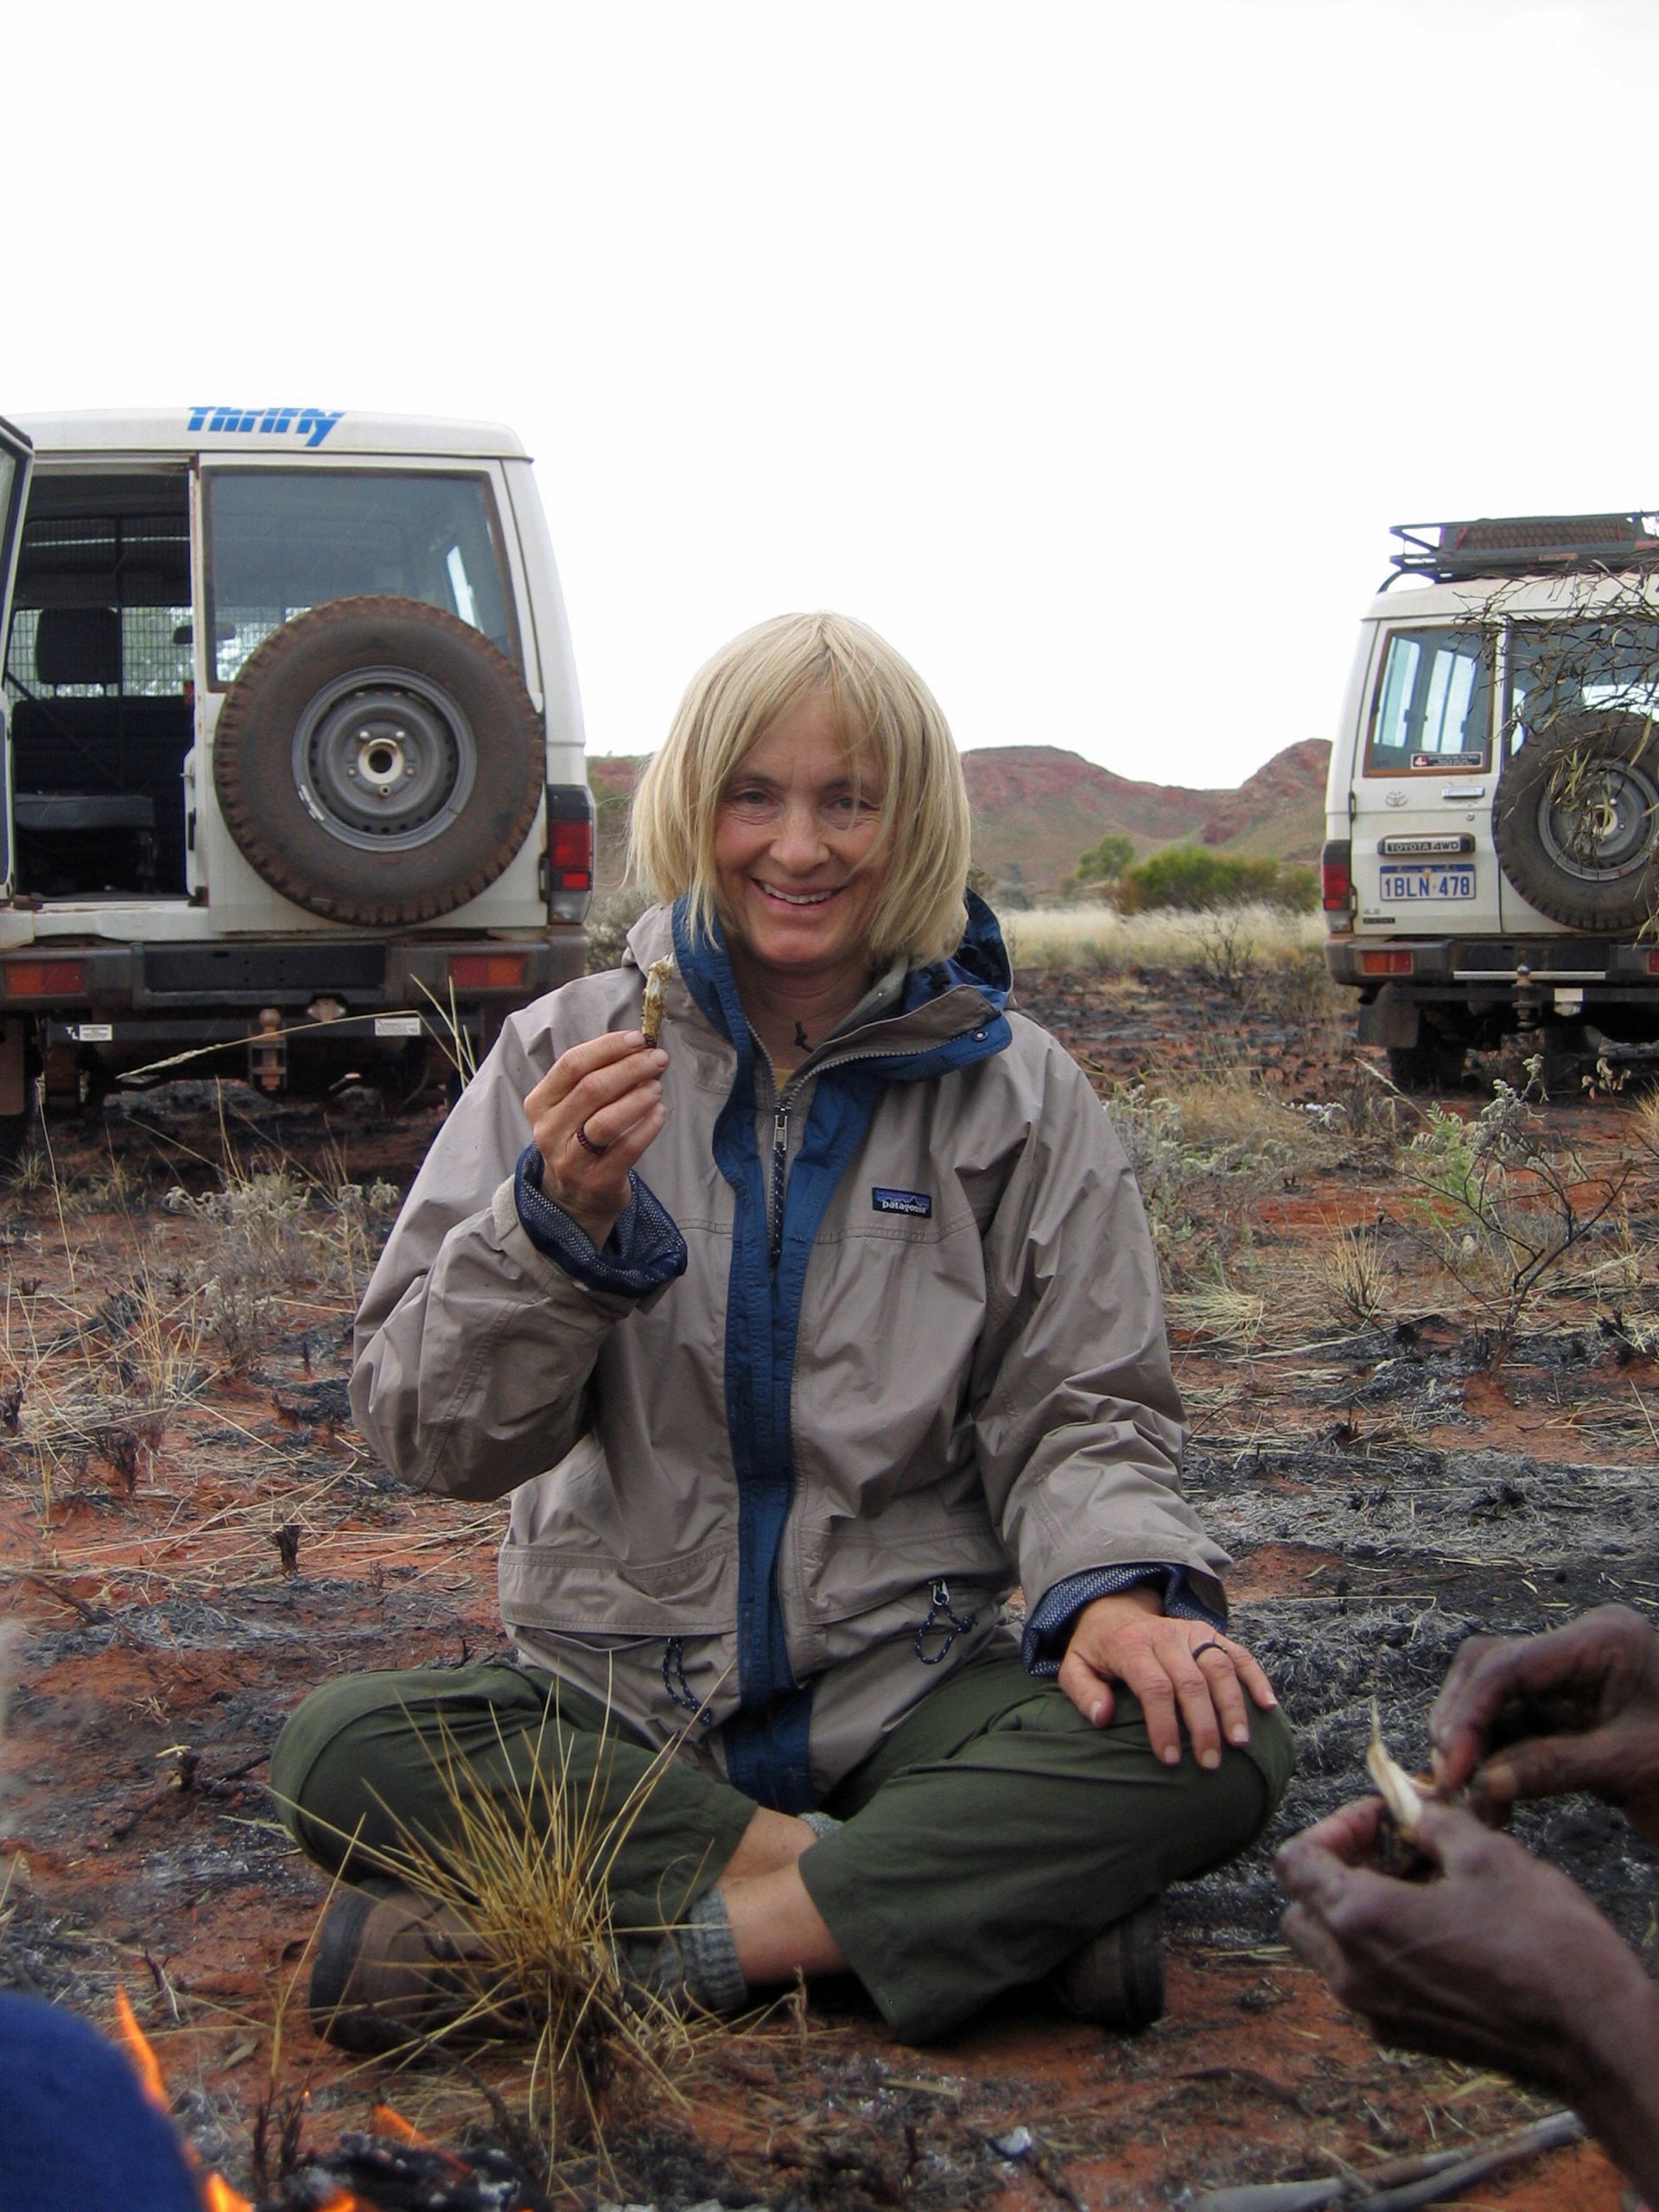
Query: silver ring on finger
x=587 y=1143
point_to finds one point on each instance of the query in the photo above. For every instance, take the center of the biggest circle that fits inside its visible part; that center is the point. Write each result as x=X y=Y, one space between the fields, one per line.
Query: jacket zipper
x=779 y=1174
x=779 y=1177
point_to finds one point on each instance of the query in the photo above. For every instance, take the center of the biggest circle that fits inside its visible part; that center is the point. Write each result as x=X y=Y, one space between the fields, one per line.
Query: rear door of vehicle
x=1423 y=860
x=17 y=458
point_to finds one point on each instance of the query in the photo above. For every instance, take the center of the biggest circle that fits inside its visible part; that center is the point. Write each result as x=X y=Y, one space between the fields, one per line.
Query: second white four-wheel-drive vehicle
x=1492 y=863
x=294 y=758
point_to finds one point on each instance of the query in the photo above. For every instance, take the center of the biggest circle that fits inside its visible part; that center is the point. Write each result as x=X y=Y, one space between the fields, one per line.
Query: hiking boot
x=1117 y=1981
x=392 y=1966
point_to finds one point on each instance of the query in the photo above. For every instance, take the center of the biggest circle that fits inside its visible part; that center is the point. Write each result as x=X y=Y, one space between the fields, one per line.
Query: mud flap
x=1389 y=1021
x=14 y=1067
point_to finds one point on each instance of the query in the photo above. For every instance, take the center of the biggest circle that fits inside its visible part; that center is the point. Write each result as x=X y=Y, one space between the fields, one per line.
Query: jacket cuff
x=1048 y=1625
x=644 y=1250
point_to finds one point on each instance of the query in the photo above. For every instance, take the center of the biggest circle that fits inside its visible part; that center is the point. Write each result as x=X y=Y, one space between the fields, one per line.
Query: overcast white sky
x=1087 y=350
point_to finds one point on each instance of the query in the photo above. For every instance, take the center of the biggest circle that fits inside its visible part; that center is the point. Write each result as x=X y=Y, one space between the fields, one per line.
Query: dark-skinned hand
x=1499 y=1961
x=1540 y=1715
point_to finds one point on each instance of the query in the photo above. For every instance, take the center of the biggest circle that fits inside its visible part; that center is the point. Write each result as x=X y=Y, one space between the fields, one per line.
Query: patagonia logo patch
x=912 y=1202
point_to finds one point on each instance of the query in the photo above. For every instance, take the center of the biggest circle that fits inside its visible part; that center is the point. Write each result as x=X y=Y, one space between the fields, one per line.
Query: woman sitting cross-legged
x=797 y=1339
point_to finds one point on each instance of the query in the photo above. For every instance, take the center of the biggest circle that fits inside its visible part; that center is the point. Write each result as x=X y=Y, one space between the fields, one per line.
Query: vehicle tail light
x=487 y=972
x=1385 y=963
x=45 y=979
x=568 y=867
x=1337 y=877
x=1653 y=964
x=570 y=854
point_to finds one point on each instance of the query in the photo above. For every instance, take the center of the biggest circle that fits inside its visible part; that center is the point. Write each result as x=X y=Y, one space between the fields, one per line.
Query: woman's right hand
x=608 y=1092
x=1536 y=1716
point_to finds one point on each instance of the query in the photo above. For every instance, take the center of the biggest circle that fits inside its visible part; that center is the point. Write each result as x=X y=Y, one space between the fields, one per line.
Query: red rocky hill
x=1280 y=811
x=1037 y=808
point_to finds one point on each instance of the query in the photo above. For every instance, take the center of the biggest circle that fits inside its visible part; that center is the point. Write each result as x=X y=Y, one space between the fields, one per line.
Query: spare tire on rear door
x=378 y=761
x=1576 y=821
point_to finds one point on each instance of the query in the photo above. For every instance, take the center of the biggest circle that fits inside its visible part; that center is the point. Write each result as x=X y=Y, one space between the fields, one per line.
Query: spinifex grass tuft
x=1351 y=1274
x=527 y=1870
x=1221 y=1311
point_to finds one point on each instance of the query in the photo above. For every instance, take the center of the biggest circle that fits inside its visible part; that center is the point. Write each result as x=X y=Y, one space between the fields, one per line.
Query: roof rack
x=1519 y=545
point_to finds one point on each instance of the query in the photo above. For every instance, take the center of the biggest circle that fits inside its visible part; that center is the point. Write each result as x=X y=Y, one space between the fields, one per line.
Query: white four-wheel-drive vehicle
x=1492 y=855
x=293 y=748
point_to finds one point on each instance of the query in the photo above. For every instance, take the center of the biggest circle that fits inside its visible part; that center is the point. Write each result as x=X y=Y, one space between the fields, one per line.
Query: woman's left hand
x=1180 y=1670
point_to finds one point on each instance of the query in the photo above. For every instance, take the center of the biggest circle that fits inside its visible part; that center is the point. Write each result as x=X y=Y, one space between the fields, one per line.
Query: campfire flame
x=390 y=2123
x=217 y=2195
x=132 y=2040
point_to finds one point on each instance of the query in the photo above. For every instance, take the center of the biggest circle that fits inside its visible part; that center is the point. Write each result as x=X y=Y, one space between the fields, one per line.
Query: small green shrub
x=1194 y=879
x=268 y=1230
x=1102 y=864
x=1505 y=1201
x=1298 y=888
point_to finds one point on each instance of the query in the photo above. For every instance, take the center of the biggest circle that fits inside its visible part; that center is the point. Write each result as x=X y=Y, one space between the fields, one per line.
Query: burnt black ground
x=1378 y=1515
x=1410 y=1547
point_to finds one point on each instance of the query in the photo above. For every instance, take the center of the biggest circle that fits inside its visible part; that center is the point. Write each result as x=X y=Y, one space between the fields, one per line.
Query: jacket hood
x=981 y=963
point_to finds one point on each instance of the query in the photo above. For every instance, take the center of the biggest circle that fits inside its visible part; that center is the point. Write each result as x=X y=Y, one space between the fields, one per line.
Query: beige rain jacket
x=856 y=1362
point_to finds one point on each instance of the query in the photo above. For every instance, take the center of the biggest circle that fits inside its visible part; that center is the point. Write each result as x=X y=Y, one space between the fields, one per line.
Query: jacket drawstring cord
x=958 y=1625
x=674 y=1681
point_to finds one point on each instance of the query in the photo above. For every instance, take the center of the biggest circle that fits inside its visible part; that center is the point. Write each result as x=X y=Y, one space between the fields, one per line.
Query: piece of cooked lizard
x=650 y=1020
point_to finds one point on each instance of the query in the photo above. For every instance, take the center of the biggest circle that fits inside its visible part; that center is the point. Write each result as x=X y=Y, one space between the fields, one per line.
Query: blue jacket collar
x=980 y=963
x=979 y=968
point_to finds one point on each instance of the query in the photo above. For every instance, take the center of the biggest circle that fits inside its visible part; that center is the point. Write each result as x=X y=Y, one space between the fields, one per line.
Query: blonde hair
x=879 y=699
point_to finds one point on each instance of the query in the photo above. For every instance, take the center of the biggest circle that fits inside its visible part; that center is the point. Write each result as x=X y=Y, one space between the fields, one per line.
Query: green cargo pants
x=992 y=1832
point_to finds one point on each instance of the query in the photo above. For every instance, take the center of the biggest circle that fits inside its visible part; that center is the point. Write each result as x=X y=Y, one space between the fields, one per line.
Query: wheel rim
x=384 y=759
x=1598 y=819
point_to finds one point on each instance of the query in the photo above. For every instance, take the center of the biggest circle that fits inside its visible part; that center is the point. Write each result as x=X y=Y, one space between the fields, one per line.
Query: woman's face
x=796 y=868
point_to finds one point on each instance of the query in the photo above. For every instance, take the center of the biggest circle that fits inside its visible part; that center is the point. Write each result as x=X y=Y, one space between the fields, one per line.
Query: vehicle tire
x=1576 y=821
x=20 y=1132
x=1568 y=1058
x=1433 y=1062
x=378 y=762
x=400 y=1081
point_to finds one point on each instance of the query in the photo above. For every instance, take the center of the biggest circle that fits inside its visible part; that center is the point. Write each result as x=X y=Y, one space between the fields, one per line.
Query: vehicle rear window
x=103 y=590
x=1433 y=702
x=281 y=540
x=1610 y=665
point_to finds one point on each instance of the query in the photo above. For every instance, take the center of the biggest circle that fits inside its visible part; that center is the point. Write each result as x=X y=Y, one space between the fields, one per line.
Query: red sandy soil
x=162 y=1638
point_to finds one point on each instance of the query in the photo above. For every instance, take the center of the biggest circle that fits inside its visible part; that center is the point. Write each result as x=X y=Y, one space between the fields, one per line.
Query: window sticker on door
x=1460 y=760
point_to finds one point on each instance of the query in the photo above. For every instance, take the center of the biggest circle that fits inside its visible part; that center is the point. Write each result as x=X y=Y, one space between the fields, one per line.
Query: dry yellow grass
x=529 y=1877
x=1228 y=1108
x=1222 y=1311
x=1351 y=1274
x=1097 y=940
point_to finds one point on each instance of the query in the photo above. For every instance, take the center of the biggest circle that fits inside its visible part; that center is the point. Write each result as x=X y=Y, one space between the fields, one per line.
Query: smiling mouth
x=800 y=901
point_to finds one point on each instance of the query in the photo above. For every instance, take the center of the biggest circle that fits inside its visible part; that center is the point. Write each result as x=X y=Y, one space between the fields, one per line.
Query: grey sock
x=713 y=1976
x=694 y=1964
x=822 y=1824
